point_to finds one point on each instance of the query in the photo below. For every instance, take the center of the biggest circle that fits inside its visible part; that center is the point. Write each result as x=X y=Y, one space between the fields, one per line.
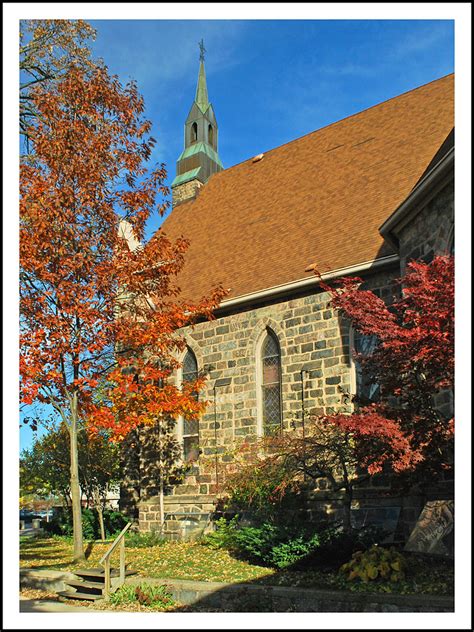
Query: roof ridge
x=371 y=107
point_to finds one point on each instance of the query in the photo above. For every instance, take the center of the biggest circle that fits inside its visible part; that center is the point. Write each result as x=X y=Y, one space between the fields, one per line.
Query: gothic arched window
x=210 y=135
x=362 y=386
x=270 y=384
x=194 y=133
x=190 y=427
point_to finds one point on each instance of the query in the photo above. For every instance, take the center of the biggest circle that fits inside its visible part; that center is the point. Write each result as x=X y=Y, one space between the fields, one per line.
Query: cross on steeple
x=202 y=50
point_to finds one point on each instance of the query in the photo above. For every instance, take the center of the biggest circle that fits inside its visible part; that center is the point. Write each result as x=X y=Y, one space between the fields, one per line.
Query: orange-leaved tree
x=99 y=306
x=47 y=50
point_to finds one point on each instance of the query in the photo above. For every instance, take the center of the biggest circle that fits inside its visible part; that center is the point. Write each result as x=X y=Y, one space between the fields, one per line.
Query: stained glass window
x=271 y=384
x=190 y=426
x=363 y=386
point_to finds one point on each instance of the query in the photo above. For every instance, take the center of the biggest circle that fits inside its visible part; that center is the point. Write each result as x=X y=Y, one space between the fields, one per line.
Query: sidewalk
x=42 y=605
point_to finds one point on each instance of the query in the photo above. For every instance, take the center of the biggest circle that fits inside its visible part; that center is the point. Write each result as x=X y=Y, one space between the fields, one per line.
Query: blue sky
x=269 y=81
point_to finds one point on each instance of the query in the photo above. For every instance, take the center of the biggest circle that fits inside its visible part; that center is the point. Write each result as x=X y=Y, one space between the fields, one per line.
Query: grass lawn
x=188 y=560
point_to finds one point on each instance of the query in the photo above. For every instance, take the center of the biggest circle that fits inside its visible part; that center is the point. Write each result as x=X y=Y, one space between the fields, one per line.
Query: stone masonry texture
x=311 y=336
x=431 y=231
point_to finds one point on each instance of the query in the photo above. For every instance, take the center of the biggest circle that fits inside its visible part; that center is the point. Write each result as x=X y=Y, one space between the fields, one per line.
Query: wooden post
x=122 y=560
x=105 y=561
x=107 y=579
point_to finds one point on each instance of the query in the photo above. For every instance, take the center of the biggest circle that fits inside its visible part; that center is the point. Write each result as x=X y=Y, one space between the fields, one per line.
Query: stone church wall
x=185 y=191
x=311 y=335
x=431 y=231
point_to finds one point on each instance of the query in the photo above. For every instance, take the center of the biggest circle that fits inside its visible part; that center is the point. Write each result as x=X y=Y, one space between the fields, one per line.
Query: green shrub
x=287 y=553
x=376 y=563
x=285 y=545
x=145 y=594
x=90 y=524
x=270 y=545
x=114 y=522
x=267 y=544
x=142 y=540
x=256 y=543
x=61 y=523
x=336 y=546
x=224 y=535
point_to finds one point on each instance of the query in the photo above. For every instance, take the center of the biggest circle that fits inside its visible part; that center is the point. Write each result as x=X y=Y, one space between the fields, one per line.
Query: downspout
x=223 y=381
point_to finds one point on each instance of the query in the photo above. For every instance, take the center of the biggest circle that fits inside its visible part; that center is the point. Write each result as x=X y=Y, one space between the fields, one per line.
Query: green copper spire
x=201 y=97
x=199 y=159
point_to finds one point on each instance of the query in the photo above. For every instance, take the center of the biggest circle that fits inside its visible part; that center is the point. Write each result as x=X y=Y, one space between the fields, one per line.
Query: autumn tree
x=345 y=453
x=47 y=50
x=404 y=432
x=45 y=466
x=413 y=359
x=98 y=308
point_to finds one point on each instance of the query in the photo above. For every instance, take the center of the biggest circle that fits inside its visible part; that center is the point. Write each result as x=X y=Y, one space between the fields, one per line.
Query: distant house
x=360 y=197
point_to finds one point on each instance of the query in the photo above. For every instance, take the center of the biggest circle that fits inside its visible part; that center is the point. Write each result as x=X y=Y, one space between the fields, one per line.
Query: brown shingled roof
x=318 y=199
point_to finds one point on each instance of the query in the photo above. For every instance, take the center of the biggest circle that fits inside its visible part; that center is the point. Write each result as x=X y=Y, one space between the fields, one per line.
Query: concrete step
x=85 y=585
x=91 y=589
x=70 y=594
x=99 y=573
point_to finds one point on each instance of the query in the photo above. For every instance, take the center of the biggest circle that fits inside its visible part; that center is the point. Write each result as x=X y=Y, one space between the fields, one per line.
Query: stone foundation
x=186 y=517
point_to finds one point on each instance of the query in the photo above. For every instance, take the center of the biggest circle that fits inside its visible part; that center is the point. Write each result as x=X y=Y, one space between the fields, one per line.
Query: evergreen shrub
x=61 y=523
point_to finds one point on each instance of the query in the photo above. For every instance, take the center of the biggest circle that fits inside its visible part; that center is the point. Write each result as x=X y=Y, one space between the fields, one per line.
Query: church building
x=361 y=196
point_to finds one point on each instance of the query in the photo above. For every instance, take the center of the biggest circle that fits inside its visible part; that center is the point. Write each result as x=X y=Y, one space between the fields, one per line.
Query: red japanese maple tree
x=404 y=431
x=413 y=360
x=341 y=449
x=99 y=311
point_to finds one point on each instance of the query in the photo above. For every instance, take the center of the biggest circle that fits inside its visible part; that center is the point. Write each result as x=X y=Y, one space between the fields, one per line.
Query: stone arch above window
x=268 y=381
x=259 y=330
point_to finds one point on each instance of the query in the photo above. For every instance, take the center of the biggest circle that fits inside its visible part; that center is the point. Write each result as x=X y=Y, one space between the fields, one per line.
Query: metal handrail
x=105 y=559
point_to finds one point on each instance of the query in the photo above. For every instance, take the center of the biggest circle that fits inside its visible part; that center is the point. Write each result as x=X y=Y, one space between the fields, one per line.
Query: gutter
x=309 y=282
x=439 y=171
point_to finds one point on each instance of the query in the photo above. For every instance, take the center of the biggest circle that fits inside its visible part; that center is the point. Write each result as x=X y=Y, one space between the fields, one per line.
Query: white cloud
x=425 y=40
x=163 y=53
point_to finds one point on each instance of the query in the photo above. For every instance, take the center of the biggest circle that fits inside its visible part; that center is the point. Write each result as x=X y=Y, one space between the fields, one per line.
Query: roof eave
x=420 y=195
x=307 y=283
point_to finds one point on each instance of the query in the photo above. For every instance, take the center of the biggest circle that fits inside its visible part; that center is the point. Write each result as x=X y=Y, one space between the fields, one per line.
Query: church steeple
x=200 y=159
x=201 y=97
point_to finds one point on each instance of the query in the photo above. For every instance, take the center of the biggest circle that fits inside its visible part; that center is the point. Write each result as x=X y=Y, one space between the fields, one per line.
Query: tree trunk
x=346 y=506
x=162 y=501
x=98 y=506
x=75 y=489
x=101 y=522
x=162 y=505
